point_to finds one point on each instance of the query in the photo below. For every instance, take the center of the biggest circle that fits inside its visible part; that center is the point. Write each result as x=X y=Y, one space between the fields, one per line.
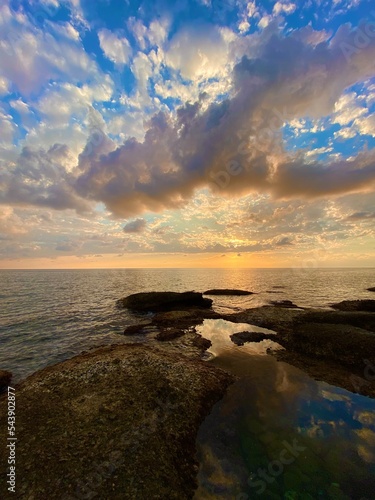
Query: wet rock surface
x=118 y=422
x=335 y=346
x=356 y=305
x=164 y=301
x=227 y=291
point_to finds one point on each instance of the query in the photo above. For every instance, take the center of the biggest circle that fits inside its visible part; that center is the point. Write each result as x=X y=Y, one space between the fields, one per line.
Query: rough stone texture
x=5 y=378
x=227 y=291
x=119 y=422
x=241 y=337
x=164 y=301
x=356 y=305
x=346 y=344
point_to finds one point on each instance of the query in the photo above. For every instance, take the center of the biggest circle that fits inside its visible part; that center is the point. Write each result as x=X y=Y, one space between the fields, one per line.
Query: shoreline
x=124 y=417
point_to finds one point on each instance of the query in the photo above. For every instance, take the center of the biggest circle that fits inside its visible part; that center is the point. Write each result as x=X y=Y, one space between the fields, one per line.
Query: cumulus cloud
x=234 y=146
x=136 y=226
x=284 y=7
x=31 y=56
x=199 y=51
x=116 y=48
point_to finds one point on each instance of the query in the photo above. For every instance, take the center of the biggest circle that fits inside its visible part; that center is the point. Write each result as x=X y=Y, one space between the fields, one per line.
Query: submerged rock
x=241 y=337
x=5 y=378
x=169 y=333
x=164 y=301
x=284 y=303
x=118 y=422
x=136 y=329
x=356 y=305
x=227 y=291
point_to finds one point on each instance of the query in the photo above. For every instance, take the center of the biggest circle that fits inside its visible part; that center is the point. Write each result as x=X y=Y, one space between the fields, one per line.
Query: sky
x=201 y=133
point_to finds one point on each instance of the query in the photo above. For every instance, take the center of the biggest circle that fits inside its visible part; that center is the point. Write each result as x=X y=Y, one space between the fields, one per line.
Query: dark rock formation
x=241 y=337
x=136 y=329
x=164 y=301
x=118 y=422
x=169 y=333
x=5 y=378
x=227 y=291
x=372 y=289
x=284 y=303
x=345 y=344
x=184 y=319
x=356 y=305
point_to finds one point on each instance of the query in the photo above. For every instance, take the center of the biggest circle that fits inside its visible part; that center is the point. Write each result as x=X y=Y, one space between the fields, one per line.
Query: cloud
x=199 y=51
x=235 y=146
x=284 y=8
x=39 y=178
x=31 y=56
x=136 y=226
x=117 y=49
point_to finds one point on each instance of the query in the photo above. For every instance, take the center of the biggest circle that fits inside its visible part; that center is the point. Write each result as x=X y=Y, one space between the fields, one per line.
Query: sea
x=47 y=316
x=277 y=433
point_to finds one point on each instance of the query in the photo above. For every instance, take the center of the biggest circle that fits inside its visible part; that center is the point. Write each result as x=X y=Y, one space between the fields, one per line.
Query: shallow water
x=48 y=316
x=278 y=434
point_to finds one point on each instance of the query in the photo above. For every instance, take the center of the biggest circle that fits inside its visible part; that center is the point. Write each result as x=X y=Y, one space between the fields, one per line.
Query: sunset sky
x=200 y=133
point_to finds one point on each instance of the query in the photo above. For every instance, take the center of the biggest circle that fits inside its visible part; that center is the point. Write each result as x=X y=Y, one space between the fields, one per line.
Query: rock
x=164 y=301
x=227 y=291
x=241 y=337
x=284 y=303
x=345 y=344
x=136 y=329
x=202 y=343
x=372 y=289
x=360 y=319
x=184 y=319
x=5 y=378
x=169 y=334
x=279 y=319
x=356 y=305
x=118 y=422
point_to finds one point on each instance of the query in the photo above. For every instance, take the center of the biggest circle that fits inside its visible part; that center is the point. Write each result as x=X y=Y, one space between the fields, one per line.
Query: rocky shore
x=335 y=345
x=118 y=422
x=121 y=421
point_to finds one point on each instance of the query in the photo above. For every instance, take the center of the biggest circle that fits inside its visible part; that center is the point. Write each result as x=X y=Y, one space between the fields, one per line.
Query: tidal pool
x=278 y=434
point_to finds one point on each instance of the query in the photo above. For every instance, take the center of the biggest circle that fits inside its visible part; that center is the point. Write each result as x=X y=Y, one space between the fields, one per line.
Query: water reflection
x=219 y=331
x=278 y=434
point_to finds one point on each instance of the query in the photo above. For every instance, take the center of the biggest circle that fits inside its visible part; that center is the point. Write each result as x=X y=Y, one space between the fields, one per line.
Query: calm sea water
x=47 y=316
x=276 y=434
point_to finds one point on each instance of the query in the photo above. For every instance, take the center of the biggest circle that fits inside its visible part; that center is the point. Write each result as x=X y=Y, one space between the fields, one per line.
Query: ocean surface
x=277 y=433
x=47 y=316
